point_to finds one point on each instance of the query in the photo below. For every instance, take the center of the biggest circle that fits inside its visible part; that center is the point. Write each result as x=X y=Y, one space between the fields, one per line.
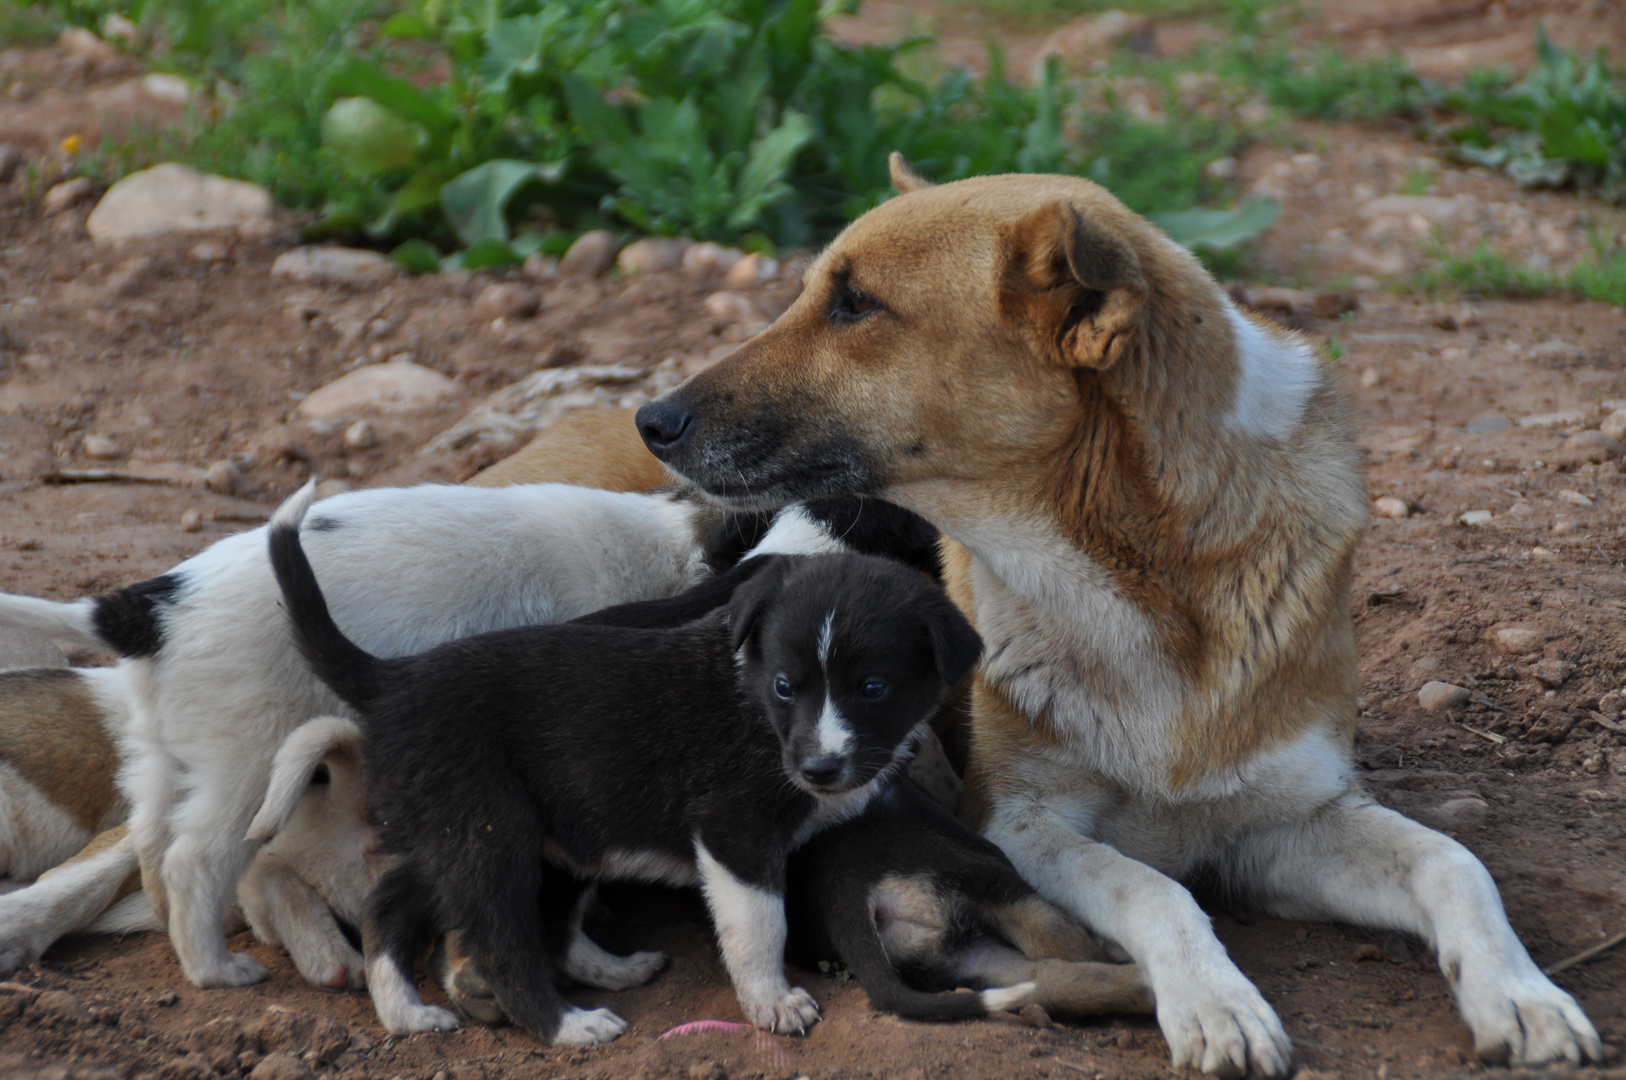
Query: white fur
x=834 y=734
x=63 y=901
x=827 y=631
x=587 y=962
x=71 y=622
x=35 y=833
x=1275 y=379
x=796 y=532
x=397 y=1003
x=751 y=930
x=1000 y=999
x=403 y=569
x=588 y=1027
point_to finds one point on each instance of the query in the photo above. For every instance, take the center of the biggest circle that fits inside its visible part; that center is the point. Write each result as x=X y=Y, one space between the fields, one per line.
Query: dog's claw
x=1226 y=1031
x=1527 y=1022
x=792 y=1013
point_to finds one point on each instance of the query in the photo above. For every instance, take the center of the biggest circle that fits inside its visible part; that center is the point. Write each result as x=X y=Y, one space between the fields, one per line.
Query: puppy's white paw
x=240 y=969
x=410 y=1018
x=332 y=967
x=1221 y=1025
x=789 y=1014
x=1526 y=1020
x=634 y=970
x=589 y=1027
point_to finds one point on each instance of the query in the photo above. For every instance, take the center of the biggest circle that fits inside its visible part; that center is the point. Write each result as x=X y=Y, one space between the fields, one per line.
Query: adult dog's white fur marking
x=1276 y=379
x=751 y=931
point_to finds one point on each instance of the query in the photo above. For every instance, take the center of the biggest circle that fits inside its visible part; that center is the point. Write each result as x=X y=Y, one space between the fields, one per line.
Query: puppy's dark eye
x=781 y=688
x=873 y=690
x=852 y=305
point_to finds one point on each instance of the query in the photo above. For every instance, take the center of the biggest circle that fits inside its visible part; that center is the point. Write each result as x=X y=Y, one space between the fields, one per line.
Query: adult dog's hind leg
x=66 y=898
x=1356 y=861
x=1211 y=1015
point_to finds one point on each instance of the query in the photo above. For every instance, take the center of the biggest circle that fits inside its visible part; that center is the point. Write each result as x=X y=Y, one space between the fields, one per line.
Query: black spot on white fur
x=127 y=618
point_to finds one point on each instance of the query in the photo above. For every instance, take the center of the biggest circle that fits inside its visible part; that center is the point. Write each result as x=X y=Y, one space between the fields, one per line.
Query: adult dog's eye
x=874 y=690
x=781 y=688
x=852 y=305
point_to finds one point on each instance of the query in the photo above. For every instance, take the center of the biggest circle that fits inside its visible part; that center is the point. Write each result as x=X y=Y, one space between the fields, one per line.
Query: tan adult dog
x=1152 y=504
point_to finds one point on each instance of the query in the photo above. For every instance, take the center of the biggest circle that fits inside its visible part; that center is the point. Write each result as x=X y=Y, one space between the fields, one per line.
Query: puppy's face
x=846 y=655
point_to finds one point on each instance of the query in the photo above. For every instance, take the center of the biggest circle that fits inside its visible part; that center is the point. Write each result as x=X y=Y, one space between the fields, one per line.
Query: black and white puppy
x=704 y=754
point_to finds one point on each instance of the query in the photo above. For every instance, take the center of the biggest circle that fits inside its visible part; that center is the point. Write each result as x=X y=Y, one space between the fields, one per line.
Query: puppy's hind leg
x=200 y=873
x=1058 y=956
x=1359 y=862
x=398 y=928
x=588 y=963
x=283 y=909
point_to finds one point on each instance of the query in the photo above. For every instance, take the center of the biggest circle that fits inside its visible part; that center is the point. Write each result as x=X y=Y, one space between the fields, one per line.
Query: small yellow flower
x=71 y=144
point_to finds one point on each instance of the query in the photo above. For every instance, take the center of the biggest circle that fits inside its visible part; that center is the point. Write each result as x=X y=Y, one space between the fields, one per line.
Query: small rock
x=1475 y=517
x=1614 y=425
x=590 y=256
x=1422 y=669
x=362 y=435
x=1033 y=1015
x=507 y=300
x=1463 y=811
x=1371 y=377
x=117 y=28
x=281 y=1067
x=730 y=307
x=166 y=999
x=1438 y=696
x=710 y=258
x=11 y=160
x=1330 y=305
x=173 y=198
x=68 y=194
x=60 y=1005
x=101 y=448
x=1550 y=672
x=26 y=649
x=1553 y=419
x=1612 y=704
x=1431 y=207
x=210 y=251
x=708 y=1070
x=1563 y=526
x=1367 y=951
x=224 y=478
x=539 y=267
x=393 y=387
x=190 y=1067
x=20 y=91
x=1574 y=498
x=77 y=41
x=753 y=270
x=1556 y=351
x=1594 y=446
x=170 y=88
x=1223 y=170
x=1390 y=507
x=1516 y=640
x=332 y=264
x=651 y=255
x=192 y=521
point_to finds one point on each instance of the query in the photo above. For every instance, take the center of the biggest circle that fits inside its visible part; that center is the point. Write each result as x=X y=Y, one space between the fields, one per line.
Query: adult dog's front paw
x=588 y=1027
x=1223 y=1026
x=1526 y=1020
x=791 y=1013
x=238 y=969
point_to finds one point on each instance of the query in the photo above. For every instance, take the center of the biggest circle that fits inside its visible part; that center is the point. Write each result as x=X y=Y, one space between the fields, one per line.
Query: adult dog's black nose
x=664 y=425
x=822 y=771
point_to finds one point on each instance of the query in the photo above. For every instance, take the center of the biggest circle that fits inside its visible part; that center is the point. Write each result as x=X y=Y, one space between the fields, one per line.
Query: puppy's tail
x=349 y=671
x=312 y=743
x=887 y=991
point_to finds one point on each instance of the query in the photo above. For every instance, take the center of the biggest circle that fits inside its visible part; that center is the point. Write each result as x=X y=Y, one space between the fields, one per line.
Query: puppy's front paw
x=1527 y=1021
x=410 y=1018
x=589 y=1027
x=792 y=1013
x=1224 y=1027
x=239 y=969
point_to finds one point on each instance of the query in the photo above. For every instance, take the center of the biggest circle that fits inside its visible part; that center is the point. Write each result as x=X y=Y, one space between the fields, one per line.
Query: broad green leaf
x=1219 y=230
x=418 y=256
x=405 y=24
x=369 y=138
x=474 y=203
x=360 y=78
x=489 y=252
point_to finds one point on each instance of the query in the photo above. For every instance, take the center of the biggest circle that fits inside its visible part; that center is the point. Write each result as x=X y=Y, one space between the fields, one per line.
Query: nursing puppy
x=793 y=705
x=1152 y=503
x=215 y=684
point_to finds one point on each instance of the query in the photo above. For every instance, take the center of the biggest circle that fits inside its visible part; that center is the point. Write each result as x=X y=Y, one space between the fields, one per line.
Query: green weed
x=1487 y=272
x=25 y=24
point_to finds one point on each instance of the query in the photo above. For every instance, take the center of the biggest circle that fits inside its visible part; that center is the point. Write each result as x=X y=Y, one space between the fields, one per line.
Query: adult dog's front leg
x=751 y=929
x=1211 y=1015
x=1356 y=861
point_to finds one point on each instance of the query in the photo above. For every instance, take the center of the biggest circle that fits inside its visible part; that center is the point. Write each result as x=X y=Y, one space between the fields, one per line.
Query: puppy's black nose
x=822 y=771
x=664 y=425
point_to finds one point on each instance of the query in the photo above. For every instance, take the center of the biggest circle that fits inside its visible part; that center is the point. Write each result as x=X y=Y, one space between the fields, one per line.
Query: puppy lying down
x=704 y=754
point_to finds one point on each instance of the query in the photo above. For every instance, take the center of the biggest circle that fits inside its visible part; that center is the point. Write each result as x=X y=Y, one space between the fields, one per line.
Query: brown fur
x=597 y=448
x=51 y=733
x=98 y=844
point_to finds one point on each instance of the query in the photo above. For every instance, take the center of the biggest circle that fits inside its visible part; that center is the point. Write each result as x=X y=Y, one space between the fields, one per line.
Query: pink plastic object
x=697 y=1027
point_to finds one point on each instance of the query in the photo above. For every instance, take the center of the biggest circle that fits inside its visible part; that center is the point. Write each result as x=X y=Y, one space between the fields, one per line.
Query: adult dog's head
x=961 y=333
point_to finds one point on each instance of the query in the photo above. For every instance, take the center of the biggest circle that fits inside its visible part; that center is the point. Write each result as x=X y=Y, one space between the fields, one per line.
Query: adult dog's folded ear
x=1074 y=287
x=904 y=178
x=955 y=642
x=751 y=599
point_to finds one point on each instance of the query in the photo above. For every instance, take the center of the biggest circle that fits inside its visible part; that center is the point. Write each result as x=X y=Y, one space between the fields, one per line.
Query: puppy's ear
x=752 y=598
x=904 y=178
x=1074 y=286
x=955 y=642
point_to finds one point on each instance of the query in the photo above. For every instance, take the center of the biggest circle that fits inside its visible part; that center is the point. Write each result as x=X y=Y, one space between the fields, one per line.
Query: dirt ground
x=166 y=359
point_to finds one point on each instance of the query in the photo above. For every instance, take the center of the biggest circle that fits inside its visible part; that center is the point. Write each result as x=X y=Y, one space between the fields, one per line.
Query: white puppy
x=215 y=684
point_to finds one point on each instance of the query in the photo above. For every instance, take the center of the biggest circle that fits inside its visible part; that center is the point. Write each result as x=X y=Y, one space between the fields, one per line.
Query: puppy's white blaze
x=751 y=930
x=1002 y=998
x=827 y=630
x=1275 y=378
x=795 y=532
x=834 y=734
x=396 y=1001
